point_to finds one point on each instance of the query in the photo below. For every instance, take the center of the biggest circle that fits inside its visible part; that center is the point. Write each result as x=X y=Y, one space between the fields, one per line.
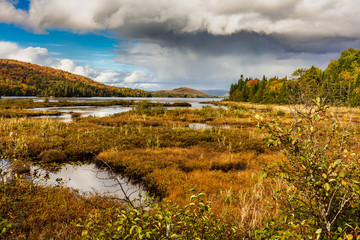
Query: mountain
x=217 y=92
x=182 y=92
x=25 y=79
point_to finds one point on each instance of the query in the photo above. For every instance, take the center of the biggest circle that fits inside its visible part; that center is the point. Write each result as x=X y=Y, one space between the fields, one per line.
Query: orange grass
x=171 y=172
x=168 y=157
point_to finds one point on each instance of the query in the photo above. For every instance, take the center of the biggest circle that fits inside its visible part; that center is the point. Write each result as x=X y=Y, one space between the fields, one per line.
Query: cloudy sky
x=163 y=44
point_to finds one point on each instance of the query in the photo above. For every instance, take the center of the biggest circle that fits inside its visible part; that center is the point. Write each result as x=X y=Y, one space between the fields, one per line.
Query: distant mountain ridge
x=217 y=92
x=184 y=92
x=19 y=78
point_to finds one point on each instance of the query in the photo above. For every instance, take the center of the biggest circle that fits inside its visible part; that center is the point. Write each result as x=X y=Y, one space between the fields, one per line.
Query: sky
x=165 y=44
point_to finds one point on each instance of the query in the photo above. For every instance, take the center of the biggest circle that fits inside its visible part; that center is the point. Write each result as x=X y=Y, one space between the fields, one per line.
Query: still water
x=95 y=111
x=85 y=111
x=206 y=126
x=89 y=179
x=195 y=102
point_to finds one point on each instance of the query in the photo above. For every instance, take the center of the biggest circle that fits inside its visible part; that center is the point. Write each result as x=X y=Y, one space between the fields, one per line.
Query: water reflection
x=96 y=111
x=206 y=126
x=195 y=102
x=62 y=117
x=5 y=170
x=85 y=111
x=88 y=178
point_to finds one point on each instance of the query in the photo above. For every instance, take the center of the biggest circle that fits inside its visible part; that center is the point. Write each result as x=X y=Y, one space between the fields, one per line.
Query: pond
x=85 y=111
x=86 y=179
x=89 y=179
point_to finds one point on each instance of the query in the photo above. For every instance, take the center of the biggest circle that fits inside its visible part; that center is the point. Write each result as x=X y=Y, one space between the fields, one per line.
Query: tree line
x=25 y=79
x=339 y=83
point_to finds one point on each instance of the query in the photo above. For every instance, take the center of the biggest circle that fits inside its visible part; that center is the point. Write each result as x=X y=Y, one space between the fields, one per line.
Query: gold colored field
x=156 y=146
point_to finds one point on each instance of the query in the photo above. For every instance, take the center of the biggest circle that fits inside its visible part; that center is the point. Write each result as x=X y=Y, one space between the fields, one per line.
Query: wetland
x=212 y=154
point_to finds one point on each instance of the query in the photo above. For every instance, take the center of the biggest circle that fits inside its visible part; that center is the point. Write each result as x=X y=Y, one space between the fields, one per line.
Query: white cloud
x=137 y=77
x=300 y=17
x=196 y=43
x=9 y=14
x=41 y=56
x=173 y=67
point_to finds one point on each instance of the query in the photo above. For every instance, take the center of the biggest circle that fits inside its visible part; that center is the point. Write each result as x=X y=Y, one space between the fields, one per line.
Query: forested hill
x=25 y=79
x=182 y=92
x=338 y=84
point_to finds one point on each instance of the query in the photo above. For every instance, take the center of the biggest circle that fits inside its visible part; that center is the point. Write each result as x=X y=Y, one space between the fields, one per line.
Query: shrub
x=321 y=175
x=165 y=221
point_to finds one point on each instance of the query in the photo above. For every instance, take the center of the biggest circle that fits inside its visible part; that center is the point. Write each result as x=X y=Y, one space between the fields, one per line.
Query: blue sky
x=84 y=48
x=166 y=44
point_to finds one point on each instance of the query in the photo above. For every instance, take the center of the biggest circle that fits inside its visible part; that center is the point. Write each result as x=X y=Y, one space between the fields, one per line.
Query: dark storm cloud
x=206 y=42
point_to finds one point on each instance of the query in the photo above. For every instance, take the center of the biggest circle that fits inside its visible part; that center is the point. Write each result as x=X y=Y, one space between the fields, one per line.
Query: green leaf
x=327 y=187
x=132 y=229
x=84 y=233
x=344 y=183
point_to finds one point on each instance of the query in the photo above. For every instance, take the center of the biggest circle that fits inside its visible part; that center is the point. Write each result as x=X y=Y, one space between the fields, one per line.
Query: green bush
x=320 y=198
x=165 y=221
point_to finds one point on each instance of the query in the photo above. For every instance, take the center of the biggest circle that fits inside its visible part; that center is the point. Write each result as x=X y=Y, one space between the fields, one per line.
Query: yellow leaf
x=349 y=236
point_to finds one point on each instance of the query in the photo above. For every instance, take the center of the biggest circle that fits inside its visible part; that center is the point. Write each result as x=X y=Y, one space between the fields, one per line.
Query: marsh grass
x=29 y=211
x=157 y=147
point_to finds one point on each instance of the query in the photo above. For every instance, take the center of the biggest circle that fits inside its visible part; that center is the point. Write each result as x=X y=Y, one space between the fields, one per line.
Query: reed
x=157 y=147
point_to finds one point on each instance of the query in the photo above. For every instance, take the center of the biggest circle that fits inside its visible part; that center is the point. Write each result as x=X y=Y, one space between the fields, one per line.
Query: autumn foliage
x=25 y=79
x=338 y=84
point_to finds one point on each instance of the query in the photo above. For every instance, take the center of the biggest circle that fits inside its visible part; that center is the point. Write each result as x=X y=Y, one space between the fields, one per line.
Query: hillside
x=25 y=79
x=182 y=92
x=217 y=92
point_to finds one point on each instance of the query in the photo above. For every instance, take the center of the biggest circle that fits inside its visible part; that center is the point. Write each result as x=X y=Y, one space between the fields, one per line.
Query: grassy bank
x=10 y=103
x=157 y=147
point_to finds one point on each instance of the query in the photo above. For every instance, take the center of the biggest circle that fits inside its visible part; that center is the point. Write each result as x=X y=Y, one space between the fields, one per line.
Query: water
x=62 y=117
x=206 y=126
x=97 y=111
x=195 y=102
x=88 y=179
x=5 y=170
x=85 y=111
